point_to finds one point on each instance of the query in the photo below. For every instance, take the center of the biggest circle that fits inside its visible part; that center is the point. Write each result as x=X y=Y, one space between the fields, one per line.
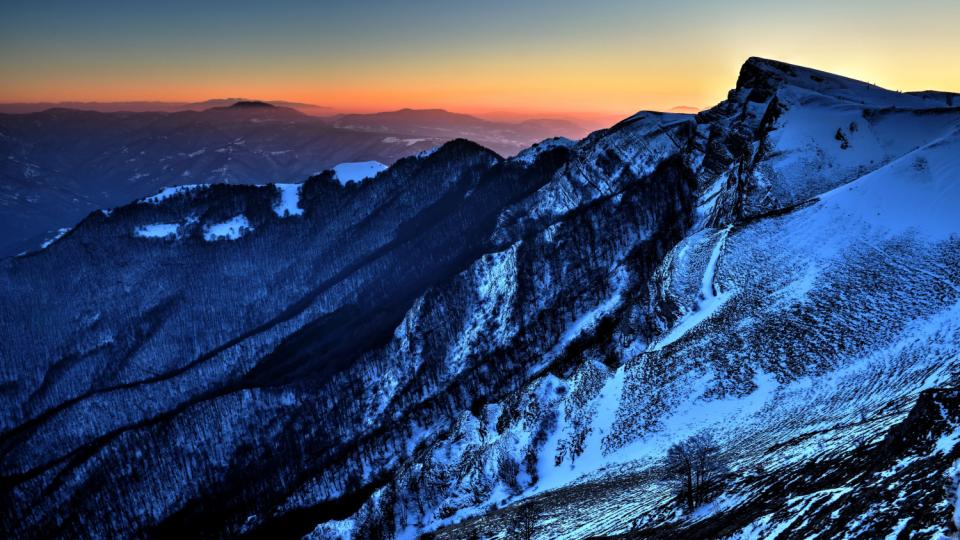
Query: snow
x=289 y=203
x=897 y=528
x=689 y=418
x=711 y=298
x=428 y=152
x=587 y=321
x=59 y=234
x=530 y=155
x=357 y=171
x=157 y=230
x=721 y=504
x=172 y=191
x=592 y=458
x=231 y=229
x=954 y=474
x=947 y=441
x=839 y=87
x=919 y=192
x=333 y=529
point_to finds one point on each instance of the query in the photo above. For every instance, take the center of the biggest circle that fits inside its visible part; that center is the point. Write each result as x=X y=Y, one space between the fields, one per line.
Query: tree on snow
x=696 y=469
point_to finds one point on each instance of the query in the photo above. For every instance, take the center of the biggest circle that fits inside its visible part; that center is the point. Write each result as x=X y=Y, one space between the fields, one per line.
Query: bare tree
x=523 y=523
x=696 y=469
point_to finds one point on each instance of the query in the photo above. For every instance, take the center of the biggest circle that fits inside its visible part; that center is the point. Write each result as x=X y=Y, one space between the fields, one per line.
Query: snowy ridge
x=173 y=191
x=59 y=234
x=529 y=155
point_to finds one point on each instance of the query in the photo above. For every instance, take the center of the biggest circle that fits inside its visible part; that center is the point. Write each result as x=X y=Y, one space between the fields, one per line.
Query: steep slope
x=465 y=339
x=790 y=332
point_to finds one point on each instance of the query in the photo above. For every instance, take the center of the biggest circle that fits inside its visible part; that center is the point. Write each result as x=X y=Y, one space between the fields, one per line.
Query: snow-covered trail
x=711 y=297
x=708 y=287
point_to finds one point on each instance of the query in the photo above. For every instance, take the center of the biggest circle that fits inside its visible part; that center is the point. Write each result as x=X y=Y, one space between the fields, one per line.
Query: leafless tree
x=523 y=523
x=696 y=469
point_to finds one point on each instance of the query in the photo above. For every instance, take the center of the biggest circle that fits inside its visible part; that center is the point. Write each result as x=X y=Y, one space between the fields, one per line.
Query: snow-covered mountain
x=466 y=341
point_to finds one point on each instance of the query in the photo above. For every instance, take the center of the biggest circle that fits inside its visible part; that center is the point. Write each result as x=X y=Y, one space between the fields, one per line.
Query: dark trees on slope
x=695 y=468
x=523 y=523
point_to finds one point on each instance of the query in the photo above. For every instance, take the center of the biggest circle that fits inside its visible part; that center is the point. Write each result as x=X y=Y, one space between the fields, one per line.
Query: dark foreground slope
x=464 y=336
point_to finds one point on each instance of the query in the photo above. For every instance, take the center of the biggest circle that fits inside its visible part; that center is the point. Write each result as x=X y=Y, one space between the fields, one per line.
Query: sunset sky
x=562 y=56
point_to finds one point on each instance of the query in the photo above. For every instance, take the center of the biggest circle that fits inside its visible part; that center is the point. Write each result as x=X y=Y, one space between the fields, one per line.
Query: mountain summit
x=468 y=345
x=251 y=105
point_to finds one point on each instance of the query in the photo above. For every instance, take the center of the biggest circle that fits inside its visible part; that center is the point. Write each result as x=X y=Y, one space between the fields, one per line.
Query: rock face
x=464 y=341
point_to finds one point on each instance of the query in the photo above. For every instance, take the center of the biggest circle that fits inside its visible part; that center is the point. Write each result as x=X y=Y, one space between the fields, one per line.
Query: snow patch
x=357 y=171
x=289 y=203
x=231 y=229
x=157 y=230
x=59 y=234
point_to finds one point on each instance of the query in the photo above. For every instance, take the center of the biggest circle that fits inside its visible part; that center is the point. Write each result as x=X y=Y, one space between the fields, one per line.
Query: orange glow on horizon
x=526 y=59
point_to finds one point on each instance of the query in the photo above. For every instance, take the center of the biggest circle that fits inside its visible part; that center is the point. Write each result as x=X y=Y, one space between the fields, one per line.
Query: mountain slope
x=464 y=339
x=803 y=331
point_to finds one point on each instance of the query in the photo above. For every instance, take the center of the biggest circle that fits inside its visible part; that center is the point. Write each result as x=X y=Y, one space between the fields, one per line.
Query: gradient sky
x=587 y=55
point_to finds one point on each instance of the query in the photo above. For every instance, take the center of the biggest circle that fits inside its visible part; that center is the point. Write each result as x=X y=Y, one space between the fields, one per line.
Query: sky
x=610 y=57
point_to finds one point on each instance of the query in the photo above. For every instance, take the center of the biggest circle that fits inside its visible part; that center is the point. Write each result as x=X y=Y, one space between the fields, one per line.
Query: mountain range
x=60 y=164
x=155 y=106
x=473 y=346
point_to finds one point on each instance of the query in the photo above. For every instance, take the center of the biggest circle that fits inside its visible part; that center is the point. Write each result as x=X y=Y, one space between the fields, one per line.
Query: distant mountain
x=505 y=138
x=252 y=105
x=152 y=106
x=471 y=346
x=60 y=164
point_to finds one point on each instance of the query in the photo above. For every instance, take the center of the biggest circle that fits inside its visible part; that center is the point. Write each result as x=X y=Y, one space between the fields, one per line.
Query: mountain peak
x=251 y=105
x=764 y=76
x=759 y=72
x=464 y=146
